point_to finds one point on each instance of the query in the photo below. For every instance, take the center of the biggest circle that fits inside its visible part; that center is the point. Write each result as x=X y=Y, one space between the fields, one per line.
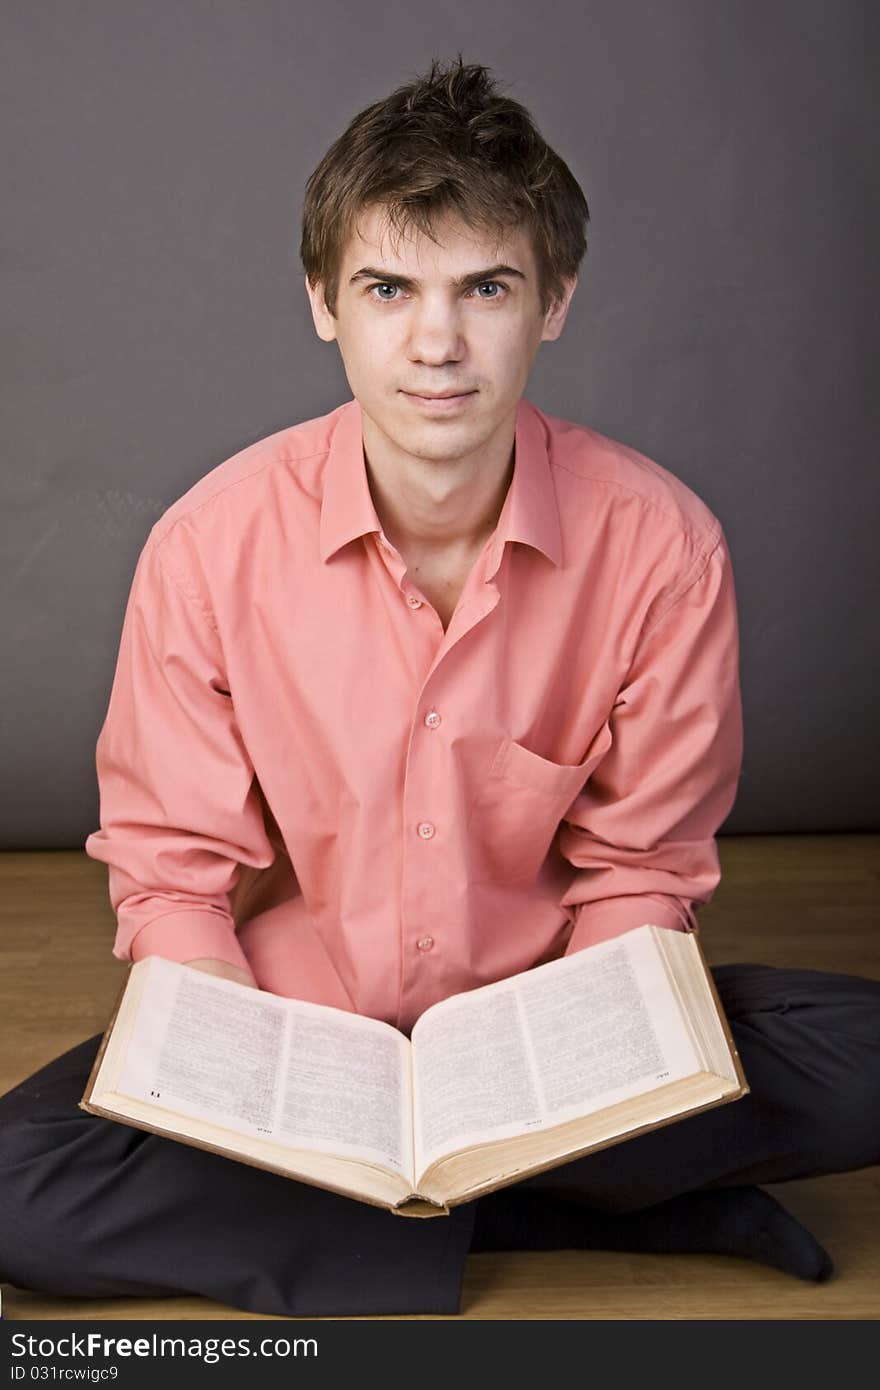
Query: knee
x=26 y=1254
x=50 y=1154
x=816 y=1055
x=848 y=1122
x=45 y=1242
x=840 y=1092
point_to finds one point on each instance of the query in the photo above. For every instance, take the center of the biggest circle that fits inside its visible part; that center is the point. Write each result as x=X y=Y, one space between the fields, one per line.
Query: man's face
x=426 y=319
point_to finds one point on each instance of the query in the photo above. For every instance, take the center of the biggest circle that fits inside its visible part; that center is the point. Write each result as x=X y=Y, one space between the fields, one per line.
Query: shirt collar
x=530 y=513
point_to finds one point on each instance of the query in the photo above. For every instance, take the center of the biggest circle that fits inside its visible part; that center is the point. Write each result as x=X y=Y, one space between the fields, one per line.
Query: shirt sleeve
x=180 y=811
x=641 y=834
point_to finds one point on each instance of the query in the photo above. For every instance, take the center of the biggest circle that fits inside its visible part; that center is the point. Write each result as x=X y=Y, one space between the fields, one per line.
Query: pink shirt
x=300 y=770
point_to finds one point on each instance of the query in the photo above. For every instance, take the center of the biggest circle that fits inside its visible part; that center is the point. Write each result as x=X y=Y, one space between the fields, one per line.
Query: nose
x=435 y=333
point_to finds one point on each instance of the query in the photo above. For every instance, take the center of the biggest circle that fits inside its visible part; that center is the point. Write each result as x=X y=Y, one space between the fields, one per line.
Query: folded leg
x=809 y=1042
x=93 y=1208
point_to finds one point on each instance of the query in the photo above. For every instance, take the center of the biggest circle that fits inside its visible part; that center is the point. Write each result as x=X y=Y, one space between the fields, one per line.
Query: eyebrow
x=476 y=277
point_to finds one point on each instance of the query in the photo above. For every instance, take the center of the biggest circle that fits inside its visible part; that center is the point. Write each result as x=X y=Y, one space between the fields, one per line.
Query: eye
x=383 y=285
x=488 y=284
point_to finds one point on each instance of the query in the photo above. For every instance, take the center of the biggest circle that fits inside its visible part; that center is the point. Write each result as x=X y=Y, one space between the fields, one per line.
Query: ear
x=325 y=323
x=555 y=317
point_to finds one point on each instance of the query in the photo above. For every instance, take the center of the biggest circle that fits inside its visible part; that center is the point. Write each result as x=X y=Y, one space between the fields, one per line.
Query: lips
x=440 y=405
x=446 y=396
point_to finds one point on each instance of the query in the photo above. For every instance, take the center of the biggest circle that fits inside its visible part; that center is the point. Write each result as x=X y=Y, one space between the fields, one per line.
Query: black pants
x=92 y=1208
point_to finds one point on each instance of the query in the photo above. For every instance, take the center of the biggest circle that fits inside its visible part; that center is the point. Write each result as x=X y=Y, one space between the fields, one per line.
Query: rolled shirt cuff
x=601 y=921
x=187 y=935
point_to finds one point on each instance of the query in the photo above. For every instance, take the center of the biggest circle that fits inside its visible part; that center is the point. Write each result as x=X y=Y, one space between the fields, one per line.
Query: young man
x=411 y=697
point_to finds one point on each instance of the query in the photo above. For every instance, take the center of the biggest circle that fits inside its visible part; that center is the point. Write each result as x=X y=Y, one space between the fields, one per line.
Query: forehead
x=374 y=241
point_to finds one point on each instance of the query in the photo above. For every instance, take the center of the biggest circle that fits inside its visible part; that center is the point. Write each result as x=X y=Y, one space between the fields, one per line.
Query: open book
x=493 y=1085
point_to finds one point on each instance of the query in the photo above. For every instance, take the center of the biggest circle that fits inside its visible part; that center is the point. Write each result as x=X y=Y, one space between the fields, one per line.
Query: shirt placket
x=432 y=870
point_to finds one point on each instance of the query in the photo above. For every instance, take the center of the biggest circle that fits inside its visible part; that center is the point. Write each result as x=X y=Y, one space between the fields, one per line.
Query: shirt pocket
x=516 y=813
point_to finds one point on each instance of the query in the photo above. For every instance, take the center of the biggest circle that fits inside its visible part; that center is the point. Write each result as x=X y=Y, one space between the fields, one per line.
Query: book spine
x=415 y=1205
x=723 y=1019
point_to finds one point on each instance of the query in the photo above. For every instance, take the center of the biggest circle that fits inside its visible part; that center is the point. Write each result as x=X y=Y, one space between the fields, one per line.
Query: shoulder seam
x=159 y=537
x=646 y=501
x=692 y=575
x=236 y=482
x=192 y=598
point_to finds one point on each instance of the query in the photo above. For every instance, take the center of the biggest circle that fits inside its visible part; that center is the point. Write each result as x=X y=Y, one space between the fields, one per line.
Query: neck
x=438 y=506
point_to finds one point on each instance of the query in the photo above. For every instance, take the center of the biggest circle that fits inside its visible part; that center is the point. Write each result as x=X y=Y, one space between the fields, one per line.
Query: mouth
x=439 y=404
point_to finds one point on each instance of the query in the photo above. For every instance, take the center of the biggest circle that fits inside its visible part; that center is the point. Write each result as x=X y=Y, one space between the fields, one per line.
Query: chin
x=441 y=441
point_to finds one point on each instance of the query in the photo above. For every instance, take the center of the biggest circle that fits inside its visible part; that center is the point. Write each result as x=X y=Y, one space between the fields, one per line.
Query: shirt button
x=432 y=719
x=426 y=829
x=413 y=601
x=425 y=943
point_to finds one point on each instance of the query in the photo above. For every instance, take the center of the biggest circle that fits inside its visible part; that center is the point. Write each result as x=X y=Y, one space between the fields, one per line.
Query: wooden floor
x=811 y=901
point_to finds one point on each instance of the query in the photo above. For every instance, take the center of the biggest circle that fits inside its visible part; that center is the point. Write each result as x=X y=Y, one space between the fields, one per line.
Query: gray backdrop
x=156 y=322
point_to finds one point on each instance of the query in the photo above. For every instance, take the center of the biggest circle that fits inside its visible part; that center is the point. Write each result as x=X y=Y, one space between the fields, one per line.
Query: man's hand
x=224 y=970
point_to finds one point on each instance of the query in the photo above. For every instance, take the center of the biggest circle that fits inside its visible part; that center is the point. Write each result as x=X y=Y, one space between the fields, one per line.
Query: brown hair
x=447 y=142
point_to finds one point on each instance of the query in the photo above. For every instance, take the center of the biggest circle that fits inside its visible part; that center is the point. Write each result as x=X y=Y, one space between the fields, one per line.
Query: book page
x=347 y=1089
x=207 y=1050
x=572 y=1036
x=471 y=1071
x=604 y=1030
x=303 y=1074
